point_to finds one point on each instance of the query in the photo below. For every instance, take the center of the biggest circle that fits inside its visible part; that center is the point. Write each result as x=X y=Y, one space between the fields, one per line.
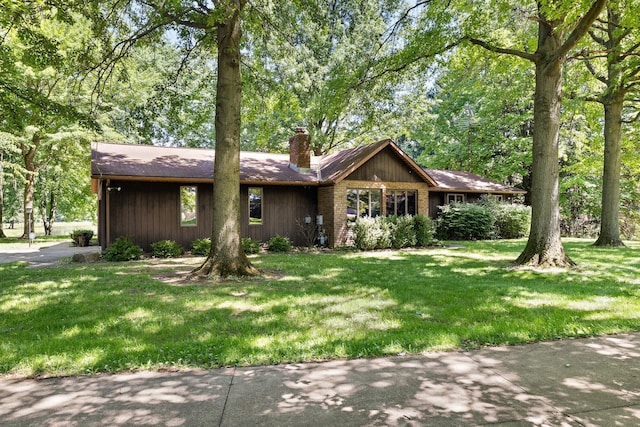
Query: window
x=402 y=202
x=255 y=206
x=455 y=198
x=362 y=202
x=188 y=206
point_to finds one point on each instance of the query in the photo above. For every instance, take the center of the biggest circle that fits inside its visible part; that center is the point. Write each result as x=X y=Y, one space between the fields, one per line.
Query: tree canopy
x=490 y=88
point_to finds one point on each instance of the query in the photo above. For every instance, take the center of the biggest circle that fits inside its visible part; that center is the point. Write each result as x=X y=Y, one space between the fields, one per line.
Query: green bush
x=465 y=221
x=166 y=249
x=425 y=230
x=250 y=246
x=123 y=249
x=279 y=244
x=81 y=237
x=401 y=231
x=512 y=221
x=371 y=233
x=201 y=247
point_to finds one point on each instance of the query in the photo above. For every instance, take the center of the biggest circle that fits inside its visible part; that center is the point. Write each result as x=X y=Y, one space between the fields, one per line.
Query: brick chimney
x=300 y=150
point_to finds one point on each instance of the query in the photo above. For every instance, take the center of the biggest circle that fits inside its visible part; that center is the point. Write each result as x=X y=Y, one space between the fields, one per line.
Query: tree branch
x=496 y=49
x=581 y=28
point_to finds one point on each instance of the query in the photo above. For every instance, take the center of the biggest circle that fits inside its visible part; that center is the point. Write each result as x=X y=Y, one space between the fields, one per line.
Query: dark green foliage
x=465 y=221
x=489 y=219
x=166 y=249
x=401 y=231
x=201 y=247
x=250 y=246
x=512 y=221
x=81 y=237
x=425 y=230
x=123 y=249
x=279 y=244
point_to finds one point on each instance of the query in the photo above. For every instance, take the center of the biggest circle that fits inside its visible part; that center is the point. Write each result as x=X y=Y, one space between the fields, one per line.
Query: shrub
x=512 y=221
x=201 y=247
x=81 y=237
x=465 y=221
x=424 y=229
x=401 y=231
x=250 y=246
x=123 y=249
x=166 y=249
x=279 y=244
x=371 y=233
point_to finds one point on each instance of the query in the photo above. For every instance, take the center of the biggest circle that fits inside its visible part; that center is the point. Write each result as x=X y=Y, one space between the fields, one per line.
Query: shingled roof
x=154 y=163
x=157 y=163
x=459 y=181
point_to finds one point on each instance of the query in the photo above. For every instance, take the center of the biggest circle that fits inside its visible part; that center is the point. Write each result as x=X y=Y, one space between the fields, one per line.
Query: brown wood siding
x=150 y=212
x=385 y=166
x=282 y=207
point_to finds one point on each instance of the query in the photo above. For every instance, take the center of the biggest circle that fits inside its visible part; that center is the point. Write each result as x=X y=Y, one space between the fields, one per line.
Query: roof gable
x=338 y=166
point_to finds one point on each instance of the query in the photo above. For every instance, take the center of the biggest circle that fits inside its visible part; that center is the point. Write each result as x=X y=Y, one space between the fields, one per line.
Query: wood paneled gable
x=385 y=166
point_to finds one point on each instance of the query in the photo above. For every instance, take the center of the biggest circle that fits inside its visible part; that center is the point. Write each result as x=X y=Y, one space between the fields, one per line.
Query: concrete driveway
x=42 y=254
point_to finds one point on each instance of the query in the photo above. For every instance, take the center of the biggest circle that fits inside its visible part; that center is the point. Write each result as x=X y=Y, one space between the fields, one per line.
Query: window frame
x=184 y=206
x=456 y=196
x=391 y=199
x=260 y=191
x=367 y=201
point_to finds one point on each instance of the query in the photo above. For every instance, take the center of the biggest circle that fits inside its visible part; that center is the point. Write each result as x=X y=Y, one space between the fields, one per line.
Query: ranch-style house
x=153 y=193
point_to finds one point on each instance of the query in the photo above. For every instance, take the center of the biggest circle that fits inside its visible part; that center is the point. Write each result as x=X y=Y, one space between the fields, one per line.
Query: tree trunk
x=48 y=213
x=613 y=102
x=227 y=257
x=544 y=247
x=29 y=154
x=610 y=217
x=2 y=235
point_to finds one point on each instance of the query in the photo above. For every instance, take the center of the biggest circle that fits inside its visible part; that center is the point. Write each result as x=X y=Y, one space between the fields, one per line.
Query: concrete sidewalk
x=42 y=254
x=582 y=382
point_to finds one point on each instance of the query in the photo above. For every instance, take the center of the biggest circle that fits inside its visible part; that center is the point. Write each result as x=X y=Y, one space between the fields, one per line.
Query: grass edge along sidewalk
x=114 y=317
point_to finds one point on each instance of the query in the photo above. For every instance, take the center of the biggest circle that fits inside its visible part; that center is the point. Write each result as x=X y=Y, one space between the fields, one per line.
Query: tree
x=227 y=257
x=560 y=27
x=469 y=125
x=312 y=67
x=617 y=37
x=43 y=49
x=196 y=25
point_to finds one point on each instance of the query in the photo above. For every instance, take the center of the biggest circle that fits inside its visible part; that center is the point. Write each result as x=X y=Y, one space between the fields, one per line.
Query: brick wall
x=332 y=203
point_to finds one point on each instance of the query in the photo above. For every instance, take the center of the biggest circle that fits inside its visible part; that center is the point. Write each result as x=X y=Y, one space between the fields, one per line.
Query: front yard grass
x=113 y=317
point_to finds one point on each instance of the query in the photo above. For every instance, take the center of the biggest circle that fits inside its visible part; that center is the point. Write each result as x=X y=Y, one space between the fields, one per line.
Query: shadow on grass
x=110 y=318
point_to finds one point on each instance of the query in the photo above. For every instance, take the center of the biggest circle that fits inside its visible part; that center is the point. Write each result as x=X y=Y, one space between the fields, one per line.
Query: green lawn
x=110 y=317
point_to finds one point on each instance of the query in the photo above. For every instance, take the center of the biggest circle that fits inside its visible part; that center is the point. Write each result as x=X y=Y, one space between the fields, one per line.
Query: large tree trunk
x=613 y=102
x=610 y=218
x=544 y=247
x=227 y=257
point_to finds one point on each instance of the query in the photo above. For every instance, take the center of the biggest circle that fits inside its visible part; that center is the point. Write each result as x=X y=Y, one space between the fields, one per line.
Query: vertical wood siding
x=385 y=166
x=150 y=211
x=282 y=209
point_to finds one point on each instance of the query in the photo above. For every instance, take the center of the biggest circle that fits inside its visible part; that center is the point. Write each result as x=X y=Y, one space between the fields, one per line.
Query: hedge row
x=124 y=249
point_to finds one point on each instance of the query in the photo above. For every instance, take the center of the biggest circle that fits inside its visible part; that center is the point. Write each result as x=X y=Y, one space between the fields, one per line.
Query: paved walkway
x=582 y=382
x=42 y=254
